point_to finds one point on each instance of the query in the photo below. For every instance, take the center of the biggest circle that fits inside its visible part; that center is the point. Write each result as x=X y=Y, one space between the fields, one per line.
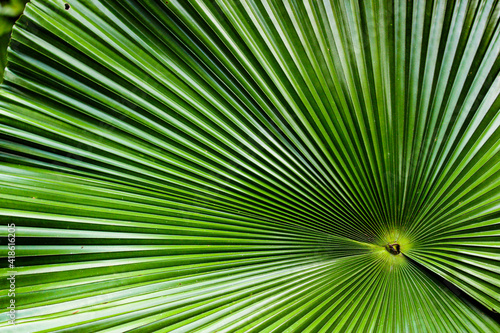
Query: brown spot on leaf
x=393 y=248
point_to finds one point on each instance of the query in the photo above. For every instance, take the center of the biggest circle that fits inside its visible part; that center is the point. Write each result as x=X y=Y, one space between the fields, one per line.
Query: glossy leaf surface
x=229 y=166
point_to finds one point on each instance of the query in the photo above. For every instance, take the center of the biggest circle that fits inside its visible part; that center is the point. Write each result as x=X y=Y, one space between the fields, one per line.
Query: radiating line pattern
x=240 y=166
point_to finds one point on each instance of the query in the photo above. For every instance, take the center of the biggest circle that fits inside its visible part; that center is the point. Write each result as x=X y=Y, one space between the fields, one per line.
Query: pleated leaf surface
x=242 y=166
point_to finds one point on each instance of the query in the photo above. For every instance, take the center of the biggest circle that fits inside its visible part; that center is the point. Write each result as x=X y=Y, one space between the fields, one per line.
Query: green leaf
x=234 y=166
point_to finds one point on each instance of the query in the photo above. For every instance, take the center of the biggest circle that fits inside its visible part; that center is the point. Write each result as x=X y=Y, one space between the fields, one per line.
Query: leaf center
x=393 y=248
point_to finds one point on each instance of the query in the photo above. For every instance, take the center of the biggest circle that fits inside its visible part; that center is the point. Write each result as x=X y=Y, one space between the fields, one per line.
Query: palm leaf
x=230 y=166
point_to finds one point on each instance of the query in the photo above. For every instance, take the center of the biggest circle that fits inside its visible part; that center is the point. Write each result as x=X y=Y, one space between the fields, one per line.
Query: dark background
x=10 y=10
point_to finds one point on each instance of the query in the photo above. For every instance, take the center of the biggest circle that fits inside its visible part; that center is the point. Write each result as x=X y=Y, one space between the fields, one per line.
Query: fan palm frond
x=223 y=166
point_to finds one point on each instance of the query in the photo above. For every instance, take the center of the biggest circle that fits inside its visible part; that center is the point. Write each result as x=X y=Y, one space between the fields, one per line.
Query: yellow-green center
x=393 y=248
